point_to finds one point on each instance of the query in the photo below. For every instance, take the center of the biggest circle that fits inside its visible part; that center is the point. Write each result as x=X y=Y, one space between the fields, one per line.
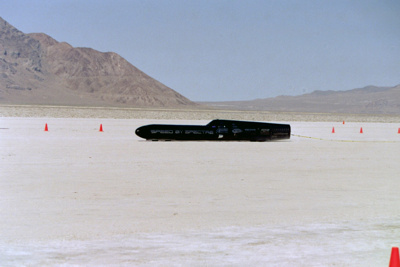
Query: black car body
x=216 y=130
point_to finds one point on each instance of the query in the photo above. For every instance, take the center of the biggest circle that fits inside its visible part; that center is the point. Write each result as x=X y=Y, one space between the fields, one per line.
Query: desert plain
x=74 y=195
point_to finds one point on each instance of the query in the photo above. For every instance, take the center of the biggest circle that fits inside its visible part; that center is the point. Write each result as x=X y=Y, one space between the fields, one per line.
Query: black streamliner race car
x=216 y=130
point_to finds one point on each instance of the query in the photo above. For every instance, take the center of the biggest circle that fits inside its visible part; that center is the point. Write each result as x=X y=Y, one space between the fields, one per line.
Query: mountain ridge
x=366 y=100
x=37 y=69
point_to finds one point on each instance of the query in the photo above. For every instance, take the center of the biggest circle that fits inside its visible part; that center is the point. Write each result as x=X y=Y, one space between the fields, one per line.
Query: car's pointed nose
x=142 y=131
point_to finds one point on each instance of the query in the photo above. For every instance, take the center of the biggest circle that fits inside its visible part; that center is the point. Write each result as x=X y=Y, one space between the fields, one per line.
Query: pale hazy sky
x=232 y=50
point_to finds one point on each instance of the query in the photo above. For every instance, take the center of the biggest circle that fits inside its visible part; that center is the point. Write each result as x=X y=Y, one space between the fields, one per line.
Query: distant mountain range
x=367 y=100
x=36 y=69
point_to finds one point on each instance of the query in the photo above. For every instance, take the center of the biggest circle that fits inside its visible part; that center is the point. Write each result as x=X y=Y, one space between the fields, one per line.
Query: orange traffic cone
x=333 y=129
x=46 y=129
x=101 y=128
x=394 y=258
x=398 y=131
x=361 y=130
x=343 y=122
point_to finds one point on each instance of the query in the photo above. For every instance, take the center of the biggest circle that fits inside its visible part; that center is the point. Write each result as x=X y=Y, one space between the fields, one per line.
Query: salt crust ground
x=77 y=196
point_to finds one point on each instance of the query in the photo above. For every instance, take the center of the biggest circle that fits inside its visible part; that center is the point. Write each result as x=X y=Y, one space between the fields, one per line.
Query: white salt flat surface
x=77 y=196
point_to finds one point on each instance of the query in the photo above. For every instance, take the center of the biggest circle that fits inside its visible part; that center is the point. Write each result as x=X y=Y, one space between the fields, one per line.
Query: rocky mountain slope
x=36 y=69
x=367 y=100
